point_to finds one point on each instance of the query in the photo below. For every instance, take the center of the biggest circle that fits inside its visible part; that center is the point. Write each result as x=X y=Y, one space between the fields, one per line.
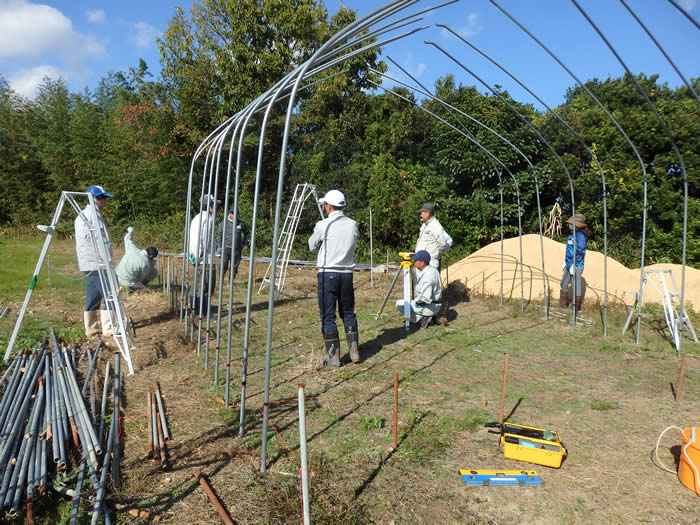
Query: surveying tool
x=405 y=268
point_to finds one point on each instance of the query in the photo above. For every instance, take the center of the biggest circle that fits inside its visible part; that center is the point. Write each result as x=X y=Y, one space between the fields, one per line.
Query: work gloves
x=572 y=269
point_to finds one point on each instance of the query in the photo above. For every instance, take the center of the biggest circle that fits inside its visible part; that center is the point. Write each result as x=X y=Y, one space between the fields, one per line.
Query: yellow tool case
x=533 y=445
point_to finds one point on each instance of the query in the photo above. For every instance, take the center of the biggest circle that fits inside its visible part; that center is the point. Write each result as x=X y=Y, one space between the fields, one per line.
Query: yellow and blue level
x=500 y=477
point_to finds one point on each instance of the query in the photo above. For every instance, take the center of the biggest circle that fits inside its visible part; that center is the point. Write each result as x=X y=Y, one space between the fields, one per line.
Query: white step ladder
x=669 y=300
x=286 y=239
x=108 y=278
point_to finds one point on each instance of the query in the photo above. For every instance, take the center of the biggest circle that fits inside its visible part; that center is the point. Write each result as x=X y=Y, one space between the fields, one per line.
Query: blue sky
x=83 y=40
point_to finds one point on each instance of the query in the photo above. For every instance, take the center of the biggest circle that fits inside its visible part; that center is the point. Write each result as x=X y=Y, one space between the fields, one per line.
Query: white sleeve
x=448 y=240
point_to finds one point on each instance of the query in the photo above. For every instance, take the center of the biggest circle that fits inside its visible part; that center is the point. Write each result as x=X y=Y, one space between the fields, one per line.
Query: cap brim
x=106 y=195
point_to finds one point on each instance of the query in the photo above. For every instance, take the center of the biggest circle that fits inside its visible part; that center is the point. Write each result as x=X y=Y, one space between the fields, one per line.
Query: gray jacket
x=135 y=269
x=334 y=239
x=431 y=238
x=428 y=291
x=84 y=247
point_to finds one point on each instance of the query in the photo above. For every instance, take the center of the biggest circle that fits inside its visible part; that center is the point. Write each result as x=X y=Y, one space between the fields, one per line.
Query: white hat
x=334 y=198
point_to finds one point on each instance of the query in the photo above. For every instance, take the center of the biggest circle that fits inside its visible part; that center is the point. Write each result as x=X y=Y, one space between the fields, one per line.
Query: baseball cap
x=210 y=199
x=427 y=207
x=421 y=255
x=98 y=191
x=334 y=198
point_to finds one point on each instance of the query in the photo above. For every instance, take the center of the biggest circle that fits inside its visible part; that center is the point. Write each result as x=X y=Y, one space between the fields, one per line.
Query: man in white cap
x=334 y=239
x=201 y=237
x=431 y=236
x=88 y=263
x=428 y=291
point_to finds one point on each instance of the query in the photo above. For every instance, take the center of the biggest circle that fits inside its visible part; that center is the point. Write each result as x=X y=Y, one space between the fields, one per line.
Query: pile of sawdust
x=481 y=272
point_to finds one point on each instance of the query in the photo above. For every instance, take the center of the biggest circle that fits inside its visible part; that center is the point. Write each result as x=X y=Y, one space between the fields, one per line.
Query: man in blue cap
x=88 y=263
x=428 y=291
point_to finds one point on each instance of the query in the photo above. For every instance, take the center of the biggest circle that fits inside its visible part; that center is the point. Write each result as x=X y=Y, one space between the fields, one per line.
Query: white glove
x=563 y=266
x=130 y=229
x=572 y=269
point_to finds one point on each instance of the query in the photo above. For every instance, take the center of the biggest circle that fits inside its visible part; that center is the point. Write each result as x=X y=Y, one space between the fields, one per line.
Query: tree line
x=135 y=135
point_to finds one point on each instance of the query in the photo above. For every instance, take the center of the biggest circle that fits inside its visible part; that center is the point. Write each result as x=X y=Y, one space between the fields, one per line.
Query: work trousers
x=201 y=271
x=336 y=288
x=94 y=294
x=566 y=280
x=226 y=260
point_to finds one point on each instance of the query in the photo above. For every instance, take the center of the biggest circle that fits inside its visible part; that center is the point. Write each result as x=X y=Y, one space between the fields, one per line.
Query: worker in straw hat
x=334 y=240
x=573 y=267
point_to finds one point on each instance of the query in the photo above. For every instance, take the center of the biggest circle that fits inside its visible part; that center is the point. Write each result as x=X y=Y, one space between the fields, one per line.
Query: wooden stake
x=396 y=411
x=680 y=379
x=503 y=389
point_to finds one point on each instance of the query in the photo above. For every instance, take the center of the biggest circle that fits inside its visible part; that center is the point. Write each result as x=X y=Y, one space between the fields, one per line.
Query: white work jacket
x=428 y=291
x=135 y=269
x=431 y=238
x=84 y=247
x=201 y=230
x=334 y=239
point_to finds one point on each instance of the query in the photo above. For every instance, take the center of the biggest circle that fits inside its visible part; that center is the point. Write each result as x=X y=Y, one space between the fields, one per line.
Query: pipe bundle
x=158 y=433
x=47 y=428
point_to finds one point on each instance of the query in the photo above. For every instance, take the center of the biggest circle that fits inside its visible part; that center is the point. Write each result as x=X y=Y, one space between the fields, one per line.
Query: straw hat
x=580 y=220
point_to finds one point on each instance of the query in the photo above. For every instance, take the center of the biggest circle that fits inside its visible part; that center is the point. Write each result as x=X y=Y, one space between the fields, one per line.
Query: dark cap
x=210 y=200
x=421 y=255
x=427 y=207
x=152 y=251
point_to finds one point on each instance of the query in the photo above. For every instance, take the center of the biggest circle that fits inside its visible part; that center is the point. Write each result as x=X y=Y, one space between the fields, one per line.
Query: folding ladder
x=286 y=239
x=107 y=275
x=668 y=302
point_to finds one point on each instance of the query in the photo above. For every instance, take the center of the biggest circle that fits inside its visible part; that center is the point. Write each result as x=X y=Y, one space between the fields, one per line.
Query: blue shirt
x=581 y=238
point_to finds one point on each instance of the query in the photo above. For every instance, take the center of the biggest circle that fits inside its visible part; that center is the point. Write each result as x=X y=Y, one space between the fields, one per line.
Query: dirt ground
x=608 y=399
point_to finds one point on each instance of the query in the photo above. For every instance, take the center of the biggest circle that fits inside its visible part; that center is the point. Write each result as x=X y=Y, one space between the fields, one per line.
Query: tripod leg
x=391 y=288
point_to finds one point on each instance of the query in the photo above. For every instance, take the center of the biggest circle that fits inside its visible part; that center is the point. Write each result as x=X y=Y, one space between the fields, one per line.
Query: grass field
x=608 y=398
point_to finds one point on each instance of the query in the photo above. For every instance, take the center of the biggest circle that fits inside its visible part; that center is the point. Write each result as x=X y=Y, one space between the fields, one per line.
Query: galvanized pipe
x=163 y=422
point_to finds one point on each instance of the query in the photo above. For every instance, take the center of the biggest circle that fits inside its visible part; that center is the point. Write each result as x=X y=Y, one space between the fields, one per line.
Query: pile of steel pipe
x=47 y=427
x=158 y=432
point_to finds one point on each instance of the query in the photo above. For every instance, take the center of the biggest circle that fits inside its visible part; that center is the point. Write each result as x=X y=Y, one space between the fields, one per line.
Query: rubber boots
x=563 y=299
x=92 y=324
x=578 y=303
x=107 y=327
x=353 y=342
x=333 y=349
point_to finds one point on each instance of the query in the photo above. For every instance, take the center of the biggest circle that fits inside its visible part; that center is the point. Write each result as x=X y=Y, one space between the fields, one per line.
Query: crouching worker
x=334 y=239
x=137 y=267
x=428 y=292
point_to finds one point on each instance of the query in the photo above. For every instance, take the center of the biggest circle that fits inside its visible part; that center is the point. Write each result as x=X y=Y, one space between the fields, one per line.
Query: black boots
x=352 y=339
x=333 y=349
x=563 y=299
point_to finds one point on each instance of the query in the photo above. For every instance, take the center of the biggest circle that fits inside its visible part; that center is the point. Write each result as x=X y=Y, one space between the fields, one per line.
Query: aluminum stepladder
x=668 y=302
x=107 y=275
x=286 y=239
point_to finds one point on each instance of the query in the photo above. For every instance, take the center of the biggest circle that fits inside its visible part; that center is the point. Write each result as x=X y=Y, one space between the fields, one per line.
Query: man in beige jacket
x=431 y=236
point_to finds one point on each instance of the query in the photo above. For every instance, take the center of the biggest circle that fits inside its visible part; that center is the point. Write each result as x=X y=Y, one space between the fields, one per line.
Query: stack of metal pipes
x=46 y=427
x=158 y=433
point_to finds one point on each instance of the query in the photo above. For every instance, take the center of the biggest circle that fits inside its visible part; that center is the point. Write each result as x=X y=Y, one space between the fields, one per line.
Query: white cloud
x=143 y=34
x=688 y=5
x=472 y=27
x=95 y=15
x=30 y=30
x=26 y=81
